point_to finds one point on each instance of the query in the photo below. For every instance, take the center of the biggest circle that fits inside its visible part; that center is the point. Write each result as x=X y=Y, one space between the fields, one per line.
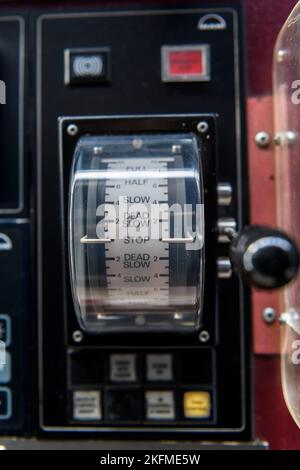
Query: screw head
x=77 y=336
x=202 y=127
x=176 y=148
x=137 y=143
x=97 y=150
x=204 y=336
x=140 y=320
x=72 y=129
x=269 y=315
x=291 y=137
x=263 y=139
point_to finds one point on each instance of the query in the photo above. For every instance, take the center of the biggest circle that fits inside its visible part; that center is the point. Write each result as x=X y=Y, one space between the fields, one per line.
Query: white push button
x=159 y=367
x=123 y=368
x=87 y=405
x=160 y=405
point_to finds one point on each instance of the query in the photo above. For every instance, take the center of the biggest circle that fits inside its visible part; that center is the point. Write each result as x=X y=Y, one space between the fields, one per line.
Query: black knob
x=267 y=258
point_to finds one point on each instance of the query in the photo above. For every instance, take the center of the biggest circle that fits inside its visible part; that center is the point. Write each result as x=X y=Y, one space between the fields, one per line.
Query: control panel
x=116 y=221
x=140 y=326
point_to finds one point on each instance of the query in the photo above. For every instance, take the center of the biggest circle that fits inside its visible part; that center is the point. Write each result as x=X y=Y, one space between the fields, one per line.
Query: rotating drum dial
x=136 y=232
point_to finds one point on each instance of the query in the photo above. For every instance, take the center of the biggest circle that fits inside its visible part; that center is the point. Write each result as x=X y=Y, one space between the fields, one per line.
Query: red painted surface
x=262 y=211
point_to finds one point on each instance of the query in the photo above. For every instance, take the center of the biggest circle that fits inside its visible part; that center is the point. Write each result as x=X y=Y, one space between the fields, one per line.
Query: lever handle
x=265 y=257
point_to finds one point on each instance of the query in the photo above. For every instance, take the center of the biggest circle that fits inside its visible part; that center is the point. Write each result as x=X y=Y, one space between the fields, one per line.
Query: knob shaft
x=267 y=258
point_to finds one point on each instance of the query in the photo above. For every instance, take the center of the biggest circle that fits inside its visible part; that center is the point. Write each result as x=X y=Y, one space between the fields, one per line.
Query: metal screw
x=202 y=127
x=140 y=320
x=137 y=143
x=277 y=139
x=97 y=150
x=283 y=319
x=204 y=336
x=269 y=315
x=72 y=129
x=263 y=139
x=77 y=336
x=176 y=148
x=291 y=137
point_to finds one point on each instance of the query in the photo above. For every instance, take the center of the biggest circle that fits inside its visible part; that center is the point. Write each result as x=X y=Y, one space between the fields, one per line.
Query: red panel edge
x=262 y=211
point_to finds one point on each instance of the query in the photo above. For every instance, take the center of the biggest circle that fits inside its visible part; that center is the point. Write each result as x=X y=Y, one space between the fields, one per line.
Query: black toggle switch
x=265 y=257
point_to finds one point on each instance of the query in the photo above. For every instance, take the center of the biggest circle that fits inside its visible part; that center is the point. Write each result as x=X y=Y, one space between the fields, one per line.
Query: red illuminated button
x=185 y=63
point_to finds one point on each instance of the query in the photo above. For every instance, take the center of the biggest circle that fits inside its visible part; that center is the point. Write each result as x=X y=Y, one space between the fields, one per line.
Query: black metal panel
x=14 y=281
x=134 y=40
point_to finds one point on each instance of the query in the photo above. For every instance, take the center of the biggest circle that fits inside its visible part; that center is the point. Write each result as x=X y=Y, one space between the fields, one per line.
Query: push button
x=197 y=404
x=5 y=403
x=85 y=66
x=160 y=405
x=87 y=405
x=159 y=367
x=5 y=329
x=123 y=368
x=185 y=63
x=5 y=369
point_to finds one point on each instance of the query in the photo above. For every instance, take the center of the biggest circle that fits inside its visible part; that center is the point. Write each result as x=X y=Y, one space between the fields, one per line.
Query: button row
x=123 y=367
x=125 y=405
x=183 y=63
x=225 y=224
x=192 y=367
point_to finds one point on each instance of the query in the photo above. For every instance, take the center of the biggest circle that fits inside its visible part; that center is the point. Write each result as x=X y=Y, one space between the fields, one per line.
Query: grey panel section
x=34 y=444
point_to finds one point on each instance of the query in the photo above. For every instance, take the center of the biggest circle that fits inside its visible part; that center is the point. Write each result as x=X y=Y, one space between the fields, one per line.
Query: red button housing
x=186 y=63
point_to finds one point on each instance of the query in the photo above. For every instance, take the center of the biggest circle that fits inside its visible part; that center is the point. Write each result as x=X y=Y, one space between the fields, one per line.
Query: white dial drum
x=136 y=232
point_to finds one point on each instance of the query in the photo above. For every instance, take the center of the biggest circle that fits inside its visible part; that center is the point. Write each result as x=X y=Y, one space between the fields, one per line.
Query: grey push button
x=85 y=66
x=122 y=368
x=224 y=268
x=87 y=405
x=5 y=329
x=159 y=367
x=224 y=192
x=160 y=405
x=5 y=369
x=5 y=403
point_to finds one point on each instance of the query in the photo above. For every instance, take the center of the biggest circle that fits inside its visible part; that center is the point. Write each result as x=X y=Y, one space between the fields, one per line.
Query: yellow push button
x=196 y=404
